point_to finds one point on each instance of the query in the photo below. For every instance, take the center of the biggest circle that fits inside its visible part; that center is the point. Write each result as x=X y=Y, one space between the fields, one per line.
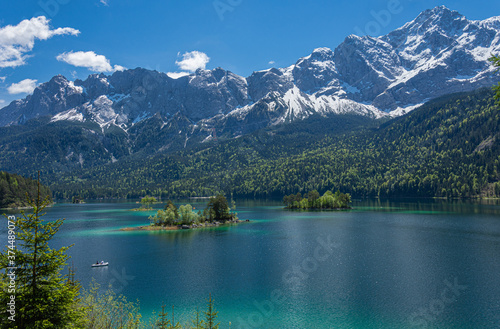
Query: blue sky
x=80 y=37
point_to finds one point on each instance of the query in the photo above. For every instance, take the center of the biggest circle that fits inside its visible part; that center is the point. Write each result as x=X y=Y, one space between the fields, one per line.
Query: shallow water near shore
x=384 y=264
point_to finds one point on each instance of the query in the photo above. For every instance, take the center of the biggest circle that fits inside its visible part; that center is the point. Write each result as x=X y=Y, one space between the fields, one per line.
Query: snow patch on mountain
x=101 y=111
x=69 y=115
x=399 y=111
x=77 y=89
x=118 y=97
x=143 y=116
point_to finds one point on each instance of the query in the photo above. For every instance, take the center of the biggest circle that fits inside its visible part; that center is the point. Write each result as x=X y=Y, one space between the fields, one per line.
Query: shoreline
x=320 y=209
x=181 y=227
x=26 y=207
x=141 y=209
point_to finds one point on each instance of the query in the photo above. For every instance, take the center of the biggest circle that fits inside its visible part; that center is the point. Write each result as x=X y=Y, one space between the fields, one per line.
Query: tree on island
x=170 y=206
x=329 y=200
x=187 y=215
x=218 y=208
x=147 y=201
x=43 y=297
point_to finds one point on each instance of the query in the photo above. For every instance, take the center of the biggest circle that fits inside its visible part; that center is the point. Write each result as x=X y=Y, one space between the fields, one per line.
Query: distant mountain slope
x=449 y=147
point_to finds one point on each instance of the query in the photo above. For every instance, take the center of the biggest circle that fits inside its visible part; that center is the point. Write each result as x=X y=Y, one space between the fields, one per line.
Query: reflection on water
x=482 y=206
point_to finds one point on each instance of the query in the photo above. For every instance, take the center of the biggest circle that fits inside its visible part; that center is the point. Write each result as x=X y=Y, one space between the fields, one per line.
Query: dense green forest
x=13 y=189
x=132 y=178
x=447 y=148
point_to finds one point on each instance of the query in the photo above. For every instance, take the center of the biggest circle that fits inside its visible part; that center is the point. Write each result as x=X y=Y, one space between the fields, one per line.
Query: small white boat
x=100 y=264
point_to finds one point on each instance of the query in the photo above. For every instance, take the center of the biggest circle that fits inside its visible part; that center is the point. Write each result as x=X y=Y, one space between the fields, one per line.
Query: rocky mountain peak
x=439 y=18
x=437 y=53
x=439 y=13
x=322 y=54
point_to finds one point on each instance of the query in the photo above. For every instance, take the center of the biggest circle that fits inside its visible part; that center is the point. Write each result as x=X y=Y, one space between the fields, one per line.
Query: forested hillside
x=447 y=148
x=13 y=189
x=135 y=176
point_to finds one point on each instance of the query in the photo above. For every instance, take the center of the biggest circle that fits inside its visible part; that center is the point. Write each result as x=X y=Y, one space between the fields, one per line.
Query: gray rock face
x=439 y=52
x=50 y=98
x=315 y=71
x=263 y=82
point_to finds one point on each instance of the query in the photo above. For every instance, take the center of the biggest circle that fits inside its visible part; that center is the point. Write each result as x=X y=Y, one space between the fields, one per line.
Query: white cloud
x=23 y=87
x=105 y=2
x=2 y=103
x=2 y=79
x=177 y=75
x=90 y=60
x=272 y=62
x=16 y=41
x=119 y=68
x=192 y=61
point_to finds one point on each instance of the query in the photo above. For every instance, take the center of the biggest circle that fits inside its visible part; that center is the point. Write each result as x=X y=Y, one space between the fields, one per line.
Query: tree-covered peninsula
x=14 y=190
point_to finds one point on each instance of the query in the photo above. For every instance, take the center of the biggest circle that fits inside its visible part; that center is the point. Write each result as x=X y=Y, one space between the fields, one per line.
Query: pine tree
x=174 y=325
x=197 y=322
x=163 y=322
x=211 y=315
x=43 y=298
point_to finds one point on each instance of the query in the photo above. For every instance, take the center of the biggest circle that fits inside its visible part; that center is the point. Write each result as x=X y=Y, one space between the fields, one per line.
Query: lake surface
x=427 y=264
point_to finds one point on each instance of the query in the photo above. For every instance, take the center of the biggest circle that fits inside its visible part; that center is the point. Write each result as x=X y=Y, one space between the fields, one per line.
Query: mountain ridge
x=437 y=53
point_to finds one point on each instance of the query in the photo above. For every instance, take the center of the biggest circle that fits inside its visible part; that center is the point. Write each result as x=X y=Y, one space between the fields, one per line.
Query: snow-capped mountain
x=438 y=53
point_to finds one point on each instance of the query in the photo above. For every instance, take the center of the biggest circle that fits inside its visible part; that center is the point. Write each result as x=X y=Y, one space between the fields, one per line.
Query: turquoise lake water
x=426 y=264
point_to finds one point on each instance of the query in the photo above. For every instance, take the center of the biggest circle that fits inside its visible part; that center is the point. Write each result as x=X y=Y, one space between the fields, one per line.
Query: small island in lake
x=146 y=203
x=217 y=212
x=313 y=200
